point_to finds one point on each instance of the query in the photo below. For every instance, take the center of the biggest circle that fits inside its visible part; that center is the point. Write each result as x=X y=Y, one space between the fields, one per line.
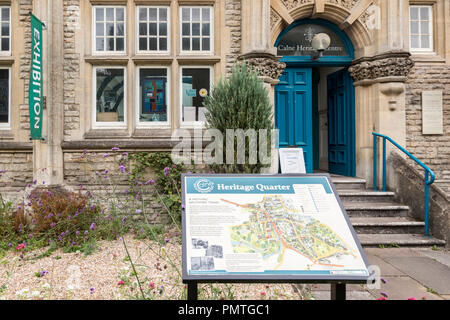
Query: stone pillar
x=258 y=51
x=47 y=154
x=380 y=86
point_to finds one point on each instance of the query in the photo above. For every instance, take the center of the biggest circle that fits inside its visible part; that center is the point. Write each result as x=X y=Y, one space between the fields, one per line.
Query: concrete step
x=348 y=195
x=348 y=183
x=399 y=240
x=375 y=209
x=387 y=225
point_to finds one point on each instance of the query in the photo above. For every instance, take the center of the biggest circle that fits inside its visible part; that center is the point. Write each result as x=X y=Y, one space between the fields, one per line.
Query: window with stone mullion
x=153 y=29
x=109 y=29
x=196 y=28
x=5 y=29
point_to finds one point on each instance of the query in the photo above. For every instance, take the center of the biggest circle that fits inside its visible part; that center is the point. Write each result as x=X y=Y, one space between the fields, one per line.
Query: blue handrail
x=429 y=174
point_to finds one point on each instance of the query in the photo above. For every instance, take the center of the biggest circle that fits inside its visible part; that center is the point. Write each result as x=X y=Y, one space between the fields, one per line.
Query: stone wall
x=433 y=150
x=17 y=167
x=94 y=168
x=408 y=184
x=25 y=6
x=233 y=22
x=71 y=67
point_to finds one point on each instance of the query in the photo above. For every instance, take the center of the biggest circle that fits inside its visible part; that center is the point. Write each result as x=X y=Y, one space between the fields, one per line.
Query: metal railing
x=429 y=174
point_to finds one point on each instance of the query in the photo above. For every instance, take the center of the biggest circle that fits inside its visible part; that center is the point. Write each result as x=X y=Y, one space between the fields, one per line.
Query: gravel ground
x=107 y=274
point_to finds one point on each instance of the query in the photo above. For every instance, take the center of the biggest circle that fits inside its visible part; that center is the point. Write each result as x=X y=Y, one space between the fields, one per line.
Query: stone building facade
x=104 y=60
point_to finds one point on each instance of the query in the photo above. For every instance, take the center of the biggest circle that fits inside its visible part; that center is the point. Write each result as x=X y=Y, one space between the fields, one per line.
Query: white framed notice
x=432 y=115
x=292 y=160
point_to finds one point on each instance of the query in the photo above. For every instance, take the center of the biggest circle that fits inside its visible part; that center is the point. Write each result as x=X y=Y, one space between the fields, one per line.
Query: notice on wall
x=432 y=116
x=292 y=160
x=267 y=227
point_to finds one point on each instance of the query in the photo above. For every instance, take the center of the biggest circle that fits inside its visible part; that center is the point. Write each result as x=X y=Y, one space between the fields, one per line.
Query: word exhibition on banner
x=36 y=79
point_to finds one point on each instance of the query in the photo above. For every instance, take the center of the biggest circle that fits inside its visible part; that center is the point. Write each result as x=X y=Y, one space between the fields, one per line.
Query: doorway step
x=378 y=219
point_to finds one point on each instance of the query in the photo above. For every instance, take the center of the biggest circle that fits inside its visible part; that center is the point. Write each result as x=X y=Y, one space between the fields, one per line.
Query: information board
x=292 y=160
x=267 y=227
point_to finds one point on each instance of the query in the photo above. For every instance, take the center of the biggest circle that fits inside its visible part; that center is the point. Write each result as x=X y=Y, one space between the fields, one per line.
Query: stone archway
x=352 y=16
x=380 y=69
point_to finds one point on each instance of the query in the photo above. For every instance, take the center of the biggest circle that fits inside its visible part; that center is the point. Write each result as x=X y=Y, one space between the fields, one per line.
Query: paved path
x=405 y=272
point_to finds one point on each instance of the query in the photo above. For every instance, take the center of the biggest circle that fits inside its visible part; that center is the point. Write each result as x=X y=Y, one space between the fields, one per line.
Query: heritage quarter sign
x=267 y=228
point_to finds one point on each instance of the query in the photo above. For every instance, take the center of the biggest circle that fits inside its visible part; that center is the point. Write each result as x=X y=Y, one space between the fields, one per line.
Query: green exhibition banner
x=36 y=79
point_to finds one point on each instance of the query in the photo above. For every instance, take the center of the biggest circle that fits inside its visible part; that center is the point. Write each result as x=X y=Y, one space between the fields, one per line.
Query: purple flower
x=92 y=207
x=138 y=211
x=77 y=233
x=92 y=227
x=384 y=294
x=183 y=206
x=106 y=171
x=115 y=149
x=122 y=168
x=92 y=290
x=43 y=273
x=166 y=171
x=105 y=155
x=151 y=181
x=86 y=232
x=125 y=154
x=52 y=224
x=10 y=244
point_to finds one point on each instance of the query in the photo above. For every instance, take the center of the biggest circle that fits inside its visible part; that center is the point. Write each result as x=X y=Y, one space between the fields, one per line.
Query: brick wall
x=433 y=150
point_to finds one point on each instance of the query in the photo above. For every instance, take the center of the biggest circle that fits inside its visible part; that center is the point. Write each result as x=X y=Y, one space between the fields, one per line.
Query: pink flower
x=412 y=298
x=152 y=285
x=262 y=293
x=120 y=283
x=20 y=246
x=382 y=298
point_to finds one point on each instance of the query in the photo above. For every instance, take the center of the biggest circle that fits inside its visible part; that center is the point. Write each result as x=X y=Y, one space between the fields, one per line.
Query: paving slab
x=430 y=273
x=442 y=256
x=401 y=288
x=386 y=269
x=392 y=252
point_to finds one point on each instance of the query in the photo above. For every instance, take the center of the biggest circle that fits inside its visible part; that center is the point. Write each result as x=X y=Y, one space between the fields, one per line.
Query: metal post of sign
x=338 y=291
x=192 y=291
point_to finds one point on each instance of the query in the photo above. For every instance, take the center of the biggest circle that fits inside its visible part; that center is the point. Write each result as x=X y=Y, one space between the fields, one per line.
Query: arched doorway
x=315 y=100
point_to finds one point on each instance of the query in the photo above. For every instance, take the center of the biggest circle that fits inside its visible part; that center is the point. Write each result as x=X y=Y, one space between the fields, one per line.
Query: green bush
x=239 y=102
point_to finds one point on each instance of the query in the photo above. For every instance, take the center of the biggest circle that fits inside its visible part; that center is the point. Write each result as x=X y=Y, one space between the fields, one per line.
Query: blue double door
x=296 y=117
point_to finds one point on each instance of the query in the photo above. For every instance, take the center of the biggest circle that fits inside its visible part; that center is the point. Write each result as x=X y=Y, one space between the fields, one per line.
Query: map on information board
x=266 y=226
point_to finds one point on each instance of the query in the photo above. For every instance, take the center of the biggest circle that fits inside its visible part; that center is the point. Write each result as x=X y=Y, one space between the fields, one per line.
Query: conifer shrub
x=240 y=102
